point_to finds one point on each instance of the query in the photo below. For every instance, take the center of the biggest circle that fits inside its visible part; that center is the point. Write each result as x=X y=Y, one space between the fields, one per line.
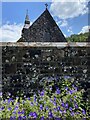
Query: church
x=25 y=67
x=44 y=29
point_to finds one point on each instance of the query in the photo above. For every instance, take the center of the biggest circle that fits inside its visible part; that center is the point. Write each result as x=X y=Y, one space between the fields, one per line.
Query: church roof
x=44 y=29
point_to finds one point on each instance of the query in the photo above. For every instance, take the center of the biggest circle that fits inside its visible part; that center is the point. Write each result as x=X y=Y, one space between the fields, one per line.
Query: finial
x=46 y=5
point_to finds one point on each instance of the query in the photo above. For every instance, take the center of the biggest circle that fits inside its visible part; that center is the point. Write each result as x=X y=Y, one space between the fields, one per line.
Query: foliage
x=55 y=101
x=78 y=38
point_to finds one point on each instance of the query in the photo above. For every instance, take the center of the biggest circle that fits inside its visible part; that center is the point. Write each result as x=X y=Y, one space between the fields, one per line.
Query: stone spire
x=26 y=27
x=27 y=21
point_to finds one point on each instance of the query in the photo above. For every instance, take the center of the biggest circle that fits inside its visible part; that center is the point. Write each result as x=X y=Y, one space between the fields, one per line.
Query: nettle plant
x=55 y=101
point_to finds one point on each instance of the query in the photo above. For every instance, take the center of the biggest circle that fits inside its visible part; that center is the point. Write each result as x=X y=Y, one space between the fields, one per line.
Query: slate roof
x=44 y=29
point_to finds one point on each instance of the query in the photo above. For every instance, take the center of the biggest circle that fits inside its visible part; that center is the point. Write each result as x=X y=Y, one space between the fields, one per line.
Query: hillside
x=78 y=38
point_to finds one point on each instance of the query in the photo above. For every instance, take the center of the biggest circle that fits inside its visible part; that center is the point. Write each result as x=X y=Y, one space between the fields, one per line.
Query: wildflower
x=0 y=94
x=33 y=115
x=70 y=108
x=72 y=113
x=50 y=115
x=66 y=88
x=9 y=108
x=62 y=104
x=35 y=98
x=16 y=108
x=2 y=108
x=54 y=98
x=42 y=118
x=83 y=112
x=57 y=91
x=12 y=118
x=31 y=103
x=58 y=108
x=9 y=100
x=66 y=105
x=47 y=108
x=42 y=93
x=76 y=106
x=41 y=107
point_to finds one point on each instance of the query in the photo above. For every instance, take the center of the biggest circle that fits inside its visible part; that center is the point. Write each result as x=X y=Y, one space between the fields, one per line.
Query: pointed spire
x=27 y=21
x=27 y=16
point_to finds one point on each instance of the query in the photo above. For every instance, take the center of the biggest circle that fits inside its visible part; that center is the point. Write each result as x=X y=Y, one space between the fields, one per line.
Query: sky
x=70 y=16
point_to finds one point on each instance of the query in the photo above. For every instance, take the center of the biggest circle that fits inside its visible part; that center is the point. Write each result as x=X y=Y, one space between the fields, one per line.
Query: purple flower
x=70 y=108
x=24 y=117
x=41 y=107
x=16 y=108
x=31 y=104
x=50 y=88
x=54 y=98
x=83 y=112
x=42 y=93
x=0 y=94
x=9 y=100
x=12 y=118
x=62 y=104
x=50 y=115
x=42 y=118
x=20 y=118
x=2 y=108
x=72 y=113
x=35 y=98
x=57 y=91
x=76 y=106
x=33 y=114
x=47 y=108
x=9 y=108
x=66 y=88
x=66 y=105
x=57 y=118
x=58 y=108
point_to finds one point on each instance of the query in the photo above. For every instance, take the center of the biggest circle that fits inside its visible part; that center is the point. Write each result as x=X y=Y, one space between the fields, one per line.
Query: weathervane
x=46 y=5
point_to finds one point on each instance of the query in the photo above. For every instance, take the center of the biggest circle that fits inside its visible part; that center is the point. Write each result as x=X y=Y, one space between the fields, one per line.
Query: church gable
x=44 y=29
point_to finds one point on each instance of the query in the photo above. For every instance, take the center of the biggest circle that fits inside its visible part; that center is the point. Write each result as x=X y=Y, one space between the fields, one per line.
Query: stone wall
x=25 y=68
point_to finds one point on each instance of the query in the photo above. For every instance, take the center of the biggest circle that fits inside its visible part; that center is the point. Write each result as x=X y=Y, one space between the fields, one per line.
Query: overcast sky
x=71 y=17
